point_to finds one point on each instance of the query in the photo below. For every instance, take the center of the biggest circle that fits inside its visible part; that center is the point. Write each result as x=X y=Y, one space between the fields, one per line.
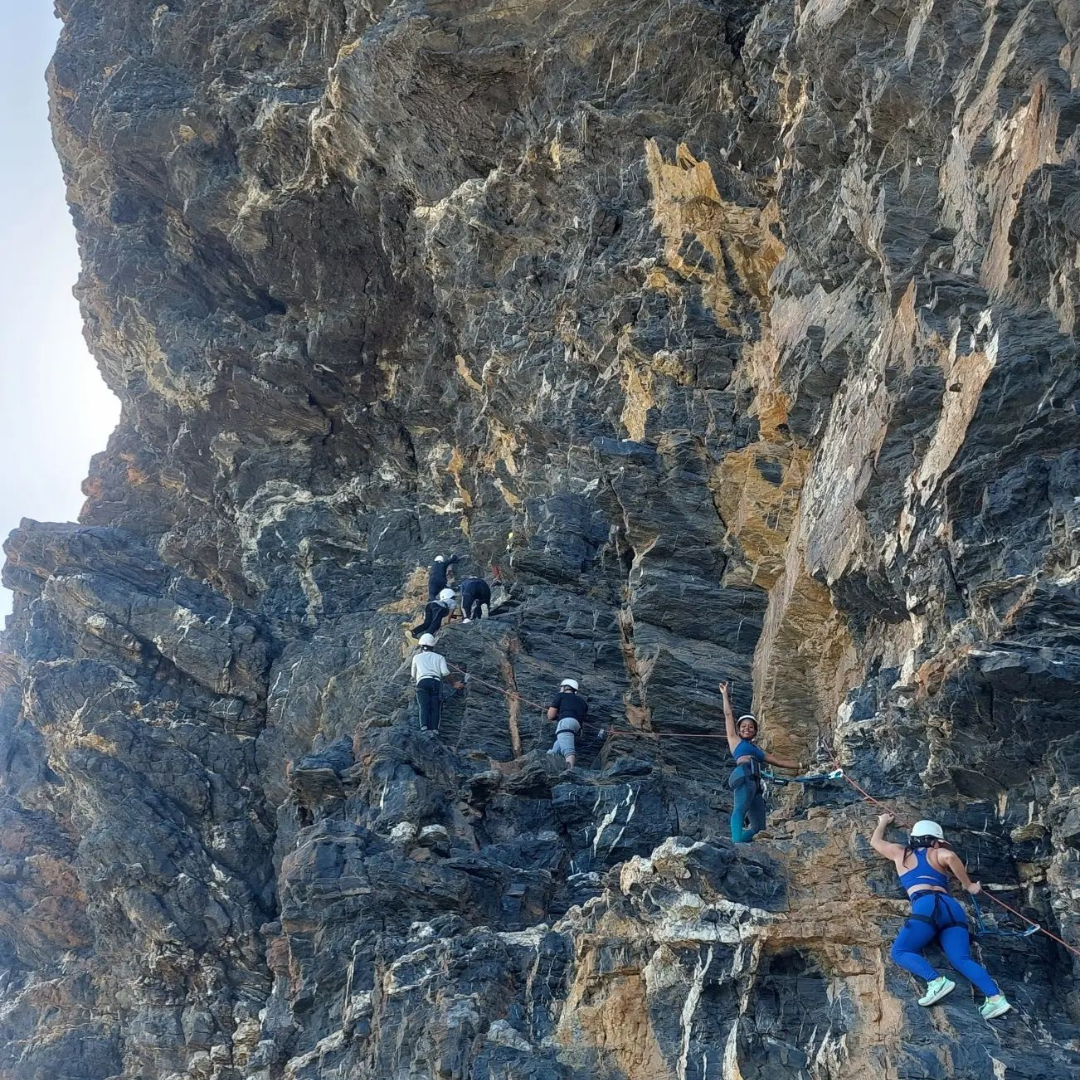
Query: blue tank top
x=748 y=749
x=922 y=873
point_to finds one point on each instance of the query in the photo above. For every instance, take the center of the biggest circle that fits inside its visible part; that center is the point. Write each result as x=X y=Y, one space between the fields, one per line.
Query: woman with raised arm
x=924 y=866
x=745 y=778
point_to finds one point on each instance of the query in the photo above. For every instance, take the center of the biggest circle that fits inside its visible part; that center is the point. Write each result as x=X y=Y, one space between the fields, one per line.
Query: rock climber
x=436 y=581
x=428 y=671
x=922 y=867
x=475 y=596
x=434 y=613
x=568 y=710
x=745 y=778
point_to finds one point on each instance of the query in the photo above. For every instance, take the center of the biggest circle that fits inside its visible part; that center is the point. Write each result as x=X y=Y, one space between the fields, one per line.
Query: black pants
x=429 y=698
x=474 y=594
x=434 y=614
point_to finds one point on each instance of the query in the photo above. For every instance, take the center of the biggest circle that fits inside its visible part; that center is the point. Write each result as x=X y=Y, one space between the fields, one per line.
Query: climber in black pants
x=436 y=581
x=435 y=612
x=428 y=671
x=475 y=596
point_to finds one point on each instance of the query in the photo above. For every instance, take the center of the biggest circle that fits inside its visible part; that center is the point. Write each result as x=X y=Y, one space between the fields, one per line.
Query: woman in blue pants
x=924 y=866
x=745 y=778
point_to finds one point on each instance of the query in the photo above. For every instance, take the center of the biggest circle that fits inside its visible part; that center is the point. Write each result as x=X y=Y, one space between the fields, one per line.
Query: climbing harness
x=933 y=920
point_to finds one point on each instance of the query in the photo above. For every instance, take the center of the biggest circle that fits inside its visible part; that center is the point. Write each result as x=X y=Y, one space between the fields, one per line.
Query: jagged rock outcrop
x=741 y=340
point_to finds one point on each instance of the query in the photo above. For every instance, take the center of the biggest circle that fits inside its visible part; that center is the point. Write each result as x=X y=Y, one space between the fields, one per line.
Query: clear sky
x=55 y=411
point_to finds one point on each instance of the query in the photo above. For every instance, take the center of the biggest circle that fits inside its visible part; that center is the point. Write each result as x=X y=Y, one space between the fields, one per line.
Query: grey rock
x=729 y=341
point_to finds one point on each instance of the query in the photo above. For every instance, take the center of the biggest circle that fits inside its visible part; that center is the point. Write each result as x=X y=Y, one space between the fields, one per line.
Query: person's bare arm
x=733 y=739
x=782 y=763
x=882 y=846
x=959 y=870
x=552 y=713
x=448 y=677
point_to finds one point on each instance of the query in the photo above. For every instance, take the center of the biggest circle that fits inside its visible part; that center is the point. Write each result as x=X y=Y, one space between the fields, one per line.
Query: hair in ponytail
x=915 y=842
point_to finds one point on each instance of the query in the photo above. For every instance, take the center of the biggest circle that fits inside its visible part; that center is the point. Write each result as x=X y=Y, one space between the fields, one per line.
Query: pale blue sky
x=55 y=411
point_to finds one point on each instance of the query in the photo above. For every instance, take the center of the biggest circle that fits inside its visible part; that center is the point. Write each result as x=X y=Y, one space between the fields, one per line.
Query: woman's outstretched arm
x=956 y=865
x=733 y=739
x=782 y=763
x=882 y=846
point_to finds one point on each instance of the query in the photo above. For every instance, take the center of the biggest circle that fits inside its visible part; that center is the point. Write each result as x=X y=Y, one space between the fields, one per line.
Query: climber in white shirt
x=429 y=668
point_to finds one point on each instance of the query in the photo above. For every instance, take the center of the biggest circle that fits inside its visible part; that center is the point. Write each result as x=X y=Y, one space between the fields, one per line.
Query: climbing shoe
x=994 y=1007
x=937 y=989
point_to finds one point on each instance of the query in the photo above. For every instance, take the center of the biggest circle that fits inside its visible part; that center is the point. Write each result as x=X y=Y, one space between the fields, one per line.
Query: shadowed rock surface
x=737 y=341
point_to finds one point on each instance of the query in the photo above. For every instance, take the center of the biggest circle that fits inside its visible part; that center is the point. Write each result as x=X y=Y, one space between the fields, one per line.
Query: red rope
x=836 y=764
x=614 y=730
x=494 y=686
x=1031 y=922
x=989 y=895
x=862 y=791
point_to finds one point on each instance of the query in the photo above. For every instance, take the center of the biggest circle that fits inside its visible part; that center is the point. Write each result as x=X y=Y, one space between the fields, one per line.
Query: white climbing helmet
x=440 y=558
x=446 y=594
x=427 y=639
x=572 y=683
x=927 y=828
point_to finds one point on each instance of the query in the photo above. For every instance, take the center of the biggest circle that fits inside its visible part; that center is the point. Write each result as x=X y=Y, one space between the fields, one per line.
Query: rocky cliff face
x=741 y=338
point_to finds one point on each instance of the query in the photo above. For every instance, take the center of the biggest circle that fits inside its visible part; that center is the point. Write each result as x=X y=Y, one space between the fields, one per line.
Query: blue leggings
x=748 y=804
x=954 y=940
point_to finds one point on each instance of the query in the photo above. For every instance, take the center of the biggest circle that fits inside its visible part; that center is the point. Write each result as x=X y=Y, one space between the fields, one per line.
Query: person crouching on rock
x=924 y=866
x=568 y=711
x=436 y=581
x=428 y=671
x=475 y=596
x=435 y=612
x=745 y=778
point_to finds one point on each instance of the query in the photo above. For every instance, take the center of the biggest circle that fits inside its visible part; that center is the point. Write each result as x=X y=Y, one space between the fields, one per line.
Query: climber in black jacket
x=475 y=596
x=436 y=581
x=437 y=610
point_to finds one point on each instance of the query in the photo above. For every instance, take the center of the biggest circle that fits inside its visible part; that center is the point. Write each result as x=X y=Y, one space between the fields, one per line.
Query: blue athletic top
x=748 y=749
x=922 y=873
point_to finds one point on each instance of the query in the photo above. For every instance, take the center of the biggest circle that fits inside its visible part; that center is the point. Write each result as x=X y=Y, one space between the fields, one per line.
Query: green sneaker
x=937 y=989
x=994 y=1007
